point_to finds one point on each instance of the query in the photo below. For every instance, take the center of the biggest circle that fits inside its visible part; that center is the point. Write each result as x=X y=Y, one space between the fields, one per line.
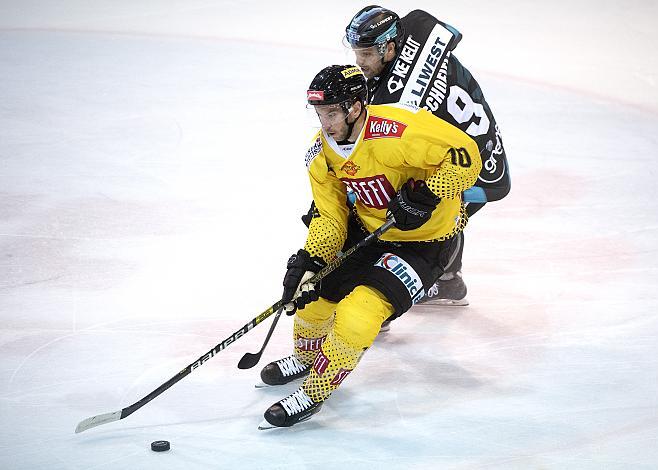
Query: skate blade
x=446 y=302
x=265 y=425
x=262 y=384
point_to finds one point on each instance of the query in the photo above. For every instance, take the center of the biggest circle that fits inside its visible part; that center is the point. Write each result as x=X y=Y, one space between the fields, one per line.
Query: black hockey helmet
x=338 y=84
x=374 y=26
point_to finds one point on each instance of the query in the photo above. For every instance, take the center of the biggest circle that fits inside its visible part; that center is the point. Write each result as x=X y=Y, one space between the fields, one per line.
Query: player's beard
x=341 y=133
x=375 y=70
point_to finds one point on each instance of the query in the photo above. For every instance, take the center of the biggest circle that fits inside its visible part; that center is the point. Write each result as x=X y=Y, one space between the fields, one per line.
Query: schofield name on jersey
x=373 y=191
x=401 y=67
x=426 y=87
x=405 y=273
x=379 y=128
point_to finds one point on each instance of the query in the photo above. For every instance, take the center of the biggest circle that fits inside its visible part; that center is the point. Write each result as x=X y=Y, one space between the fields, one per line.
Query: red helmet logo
x=315 y=95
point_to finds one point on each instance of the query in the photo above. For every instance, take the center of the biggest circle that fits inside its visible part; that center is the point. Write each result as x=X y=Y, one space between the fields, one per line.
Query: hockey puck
x=159 y=446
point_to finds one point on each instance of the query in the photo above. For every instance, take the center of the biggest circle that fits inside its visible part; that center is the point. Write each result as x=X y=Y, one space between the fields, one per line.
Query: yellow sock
x=310 y=329
x=358 y=319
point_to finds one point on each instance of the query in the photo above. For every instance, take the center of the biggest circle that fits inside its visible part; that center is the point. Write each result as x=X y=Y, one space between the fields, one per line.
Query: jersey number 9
x=462 y=107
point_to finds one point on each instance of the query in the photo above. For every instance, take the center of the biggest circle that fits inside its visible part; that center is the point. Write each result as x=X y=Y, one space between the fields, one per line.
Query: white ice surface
x=151 y=182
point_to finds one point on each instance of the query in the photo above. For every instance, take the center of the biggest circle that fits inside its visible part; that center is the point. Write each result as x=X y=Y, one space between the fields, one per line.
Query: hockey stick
x=127 y=411
x=249 y=360
x=105 y=418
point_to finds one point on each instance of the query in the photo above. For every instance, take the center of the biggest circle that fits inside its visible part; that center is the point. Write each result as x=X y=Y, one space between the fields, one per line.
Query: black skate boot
x=291 y=410
x=284 y=371
x=448 y=290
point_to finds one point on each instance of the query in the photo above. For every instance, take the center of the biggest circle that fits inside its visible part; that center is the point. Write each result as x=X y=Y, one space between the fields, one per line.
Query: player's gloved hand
x=412 y=206
x=296 y=291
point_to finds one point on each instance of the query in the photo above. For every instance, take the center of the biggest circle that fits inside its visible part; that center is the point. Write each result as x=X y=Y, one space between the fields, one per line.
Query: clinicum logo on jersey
x=378 y=128
x=405 y=273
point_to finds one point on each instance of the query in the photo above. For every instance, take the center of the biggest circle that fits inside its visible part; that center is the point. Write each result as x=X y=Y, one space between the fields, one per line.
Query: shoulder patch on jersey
x=493 y=167
x=379 y=128
x=313 y=151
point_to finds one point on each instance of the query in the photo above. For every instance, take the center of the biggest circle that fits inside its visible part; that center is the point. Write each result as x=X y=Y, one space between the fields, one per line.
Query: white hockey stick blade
x=97 y=421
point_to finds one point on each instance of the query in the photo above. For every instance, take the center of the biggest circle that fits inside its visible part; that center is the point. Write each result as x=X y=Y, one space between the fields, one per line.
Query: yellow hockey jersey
x=396 y=143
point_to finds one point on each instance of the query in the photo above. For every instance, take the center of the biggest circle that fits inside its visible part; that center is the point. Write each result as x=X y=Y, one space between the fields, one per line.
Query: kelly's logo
x=378 y=128
x=350 y=168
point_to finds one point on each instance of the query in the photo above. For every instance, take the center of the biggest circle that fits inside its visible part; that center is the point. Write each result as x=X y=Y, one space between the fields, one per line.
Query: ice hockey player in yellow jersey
x=401 y=162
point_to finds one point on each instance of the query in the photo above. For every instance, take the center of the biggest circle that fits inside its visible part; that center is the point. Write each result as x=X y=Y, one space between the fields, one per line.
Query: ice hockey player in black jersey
x=411 y=60
x=403 y=164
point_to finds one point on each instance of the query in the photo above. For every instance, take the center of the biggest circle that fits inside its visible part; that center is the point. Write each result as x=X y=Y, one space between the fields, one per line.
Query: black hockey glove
x=412 y=206
x=296 y=291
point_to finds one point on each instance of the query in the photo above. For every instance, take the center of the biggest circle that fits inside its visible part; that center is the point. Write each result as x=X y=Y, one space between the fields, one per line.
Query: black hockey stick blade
x=249 y=360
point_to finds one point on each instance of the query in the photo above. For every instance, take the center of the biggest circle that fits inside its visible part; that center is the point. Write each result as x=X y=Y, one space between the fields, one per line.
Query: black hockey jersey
x=427 y=75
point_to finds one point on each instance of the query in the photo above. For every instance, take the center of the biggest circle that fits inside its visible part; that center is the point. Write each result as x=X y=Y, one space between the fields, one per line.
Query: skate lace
x=290 y=365
x=297 y=402
x=433 y=291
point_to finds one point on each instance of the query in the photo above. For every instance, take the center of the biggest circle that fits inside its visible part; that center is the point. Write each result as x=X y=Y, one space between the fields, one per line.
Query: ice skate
x=293 y=409
x=449 y=290
x=283 y=371
x=385 y=328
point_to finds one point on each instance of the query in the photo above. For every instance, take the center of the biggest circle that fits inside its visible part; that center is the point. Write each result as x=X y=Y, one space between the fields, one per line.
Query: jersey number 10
x=460 y=157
